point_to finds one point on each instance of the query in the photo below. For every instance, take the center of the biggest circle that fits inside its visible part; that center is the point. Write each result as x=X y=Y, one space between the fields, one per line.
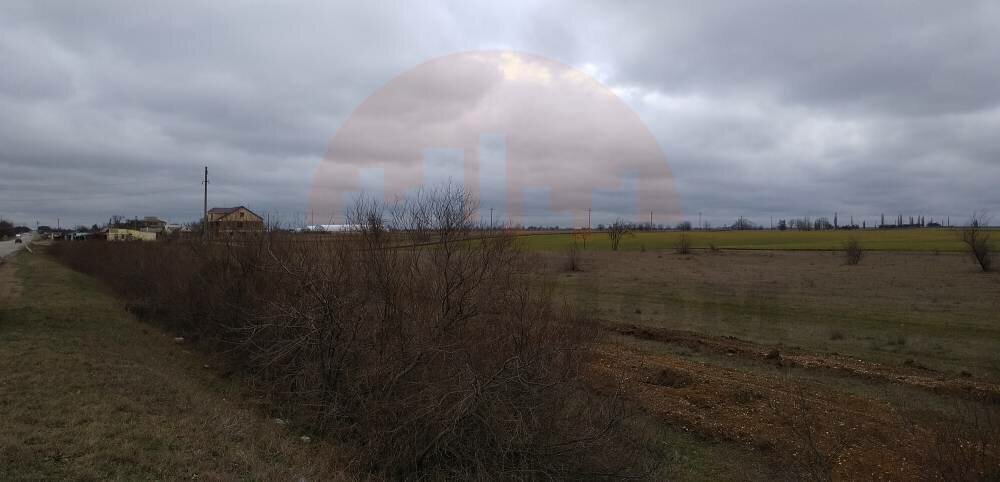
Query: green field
x=880 y=240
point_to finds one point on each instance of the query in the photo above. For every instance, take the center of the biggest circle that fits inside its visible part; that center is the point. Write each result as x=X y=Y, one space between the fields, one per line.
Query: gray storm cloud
x=536 y=140
x=764 y=108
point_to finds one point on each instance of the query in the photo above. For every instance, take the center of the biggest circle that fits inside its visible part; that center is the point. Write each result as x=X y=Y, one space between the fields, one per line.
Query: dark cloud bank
x=781 y=108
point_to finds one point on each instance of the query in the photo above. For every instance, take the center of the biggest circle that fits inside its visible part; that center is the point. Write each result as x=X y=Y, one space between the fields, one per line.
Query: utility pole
x=491 y=218
x=204 y=225
x=58 y=227
x=700 y=226
x=588 y=219
x=650 y=220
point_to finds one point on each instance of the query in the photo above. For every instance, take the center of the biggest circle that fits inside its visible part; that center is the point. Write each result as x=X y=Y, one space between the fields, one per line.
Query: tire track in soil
x=914 y=375
x=793 y=423
x=859 y=438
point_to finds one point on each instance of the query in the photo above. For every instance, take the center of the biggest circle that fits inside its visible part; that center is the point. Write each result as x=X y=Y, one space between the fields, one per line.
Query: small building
x=152 y=224
x=332 y=228
x=230 y=221
x=122 y=234
x=148 y=224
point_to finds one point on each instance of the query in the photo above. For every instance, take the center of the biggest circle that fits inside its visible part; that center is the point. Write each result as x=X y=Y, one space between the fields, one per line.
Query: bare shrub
x=618 y=230
x=573 y=258
x=896 y=341
x=970 y=449
x=976 y=237
x=435 y=350
x=683 y=244
x=853 y=251
x=962 y=445
x=814 y=452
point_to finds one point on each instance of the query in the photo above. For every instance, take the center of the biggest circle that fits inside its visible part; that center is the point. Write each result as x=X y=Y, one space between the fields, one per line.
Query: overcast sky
x=784 y=108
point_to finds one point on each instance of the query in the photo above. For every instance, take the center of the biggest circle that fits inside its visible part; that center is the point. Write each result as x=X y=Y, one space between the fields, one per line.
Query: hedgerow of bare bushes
x=433 y=348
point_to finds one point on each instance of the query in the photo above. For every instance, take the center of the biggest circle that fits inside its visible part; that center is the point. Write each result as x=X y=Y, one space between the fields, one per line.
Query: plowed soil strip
x=913 y=375
x=801 y=424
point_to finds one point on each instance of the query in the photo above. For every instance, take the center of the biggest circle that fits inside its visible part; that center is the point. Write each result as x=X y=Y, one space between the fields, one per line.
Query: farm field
x=928 y=239
x=92 y=392
x=734 y=364
x=783 y=350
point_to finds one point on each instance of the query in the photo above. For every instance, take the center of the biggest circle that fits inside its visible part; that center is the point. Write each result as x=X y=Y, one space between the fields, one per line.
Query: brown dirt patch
x=792 y=423
x=911 y=374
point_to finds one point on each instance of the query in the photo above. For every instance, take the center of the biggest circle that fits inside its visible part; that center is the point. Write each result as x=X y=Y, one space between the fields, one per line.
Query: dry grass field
x=824 y=368
x=937 y=310
x=89 y=393
x=925 y=239
x=734 y=365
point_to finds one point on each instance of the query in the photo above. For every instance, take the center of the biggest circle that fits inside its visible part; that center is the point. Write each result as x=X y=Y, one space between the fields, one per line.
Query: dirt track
x=798 y=423
x=911 y=374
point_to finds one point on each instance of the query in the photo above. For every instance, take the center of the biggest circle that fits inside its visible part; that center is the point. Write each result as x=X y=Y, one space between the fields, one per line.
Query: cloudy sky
x=764 y=108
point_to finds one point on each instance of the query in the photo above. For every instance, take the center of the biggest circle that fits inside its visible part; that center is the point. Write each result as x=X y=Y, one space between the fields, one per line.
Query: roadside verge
x=88 y=392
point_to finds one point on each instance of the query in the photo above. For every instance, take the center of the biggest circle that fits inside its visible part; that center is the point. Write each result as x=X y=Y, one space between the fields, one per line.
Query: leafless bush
x=618 y=230
x=853 y=251
x=814 y=453
x=969 y=450
x=683 y=244
x=963 y=445
x=435 y=350
x=976 y=237
x=573 y=258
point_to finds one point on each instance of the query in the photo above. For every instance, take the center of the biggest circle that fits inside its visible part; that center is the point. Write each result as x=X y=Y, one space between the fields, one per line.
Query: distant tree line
x=805 y=223
x=8 y=229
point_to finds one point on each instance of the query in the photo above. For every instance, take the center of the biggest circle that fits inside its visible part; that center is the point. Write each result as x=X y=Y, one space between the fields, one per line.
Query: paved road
x=8 y=247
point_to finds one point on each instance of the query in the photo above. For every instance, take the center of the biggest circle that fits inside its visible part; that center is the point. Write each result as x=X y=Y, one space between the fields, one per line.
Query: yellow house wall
x=118 y=234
